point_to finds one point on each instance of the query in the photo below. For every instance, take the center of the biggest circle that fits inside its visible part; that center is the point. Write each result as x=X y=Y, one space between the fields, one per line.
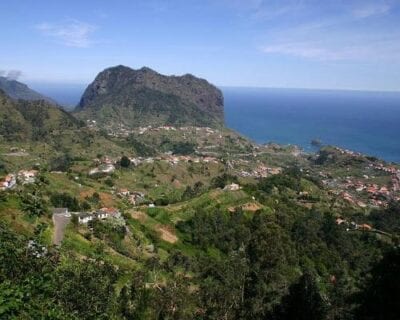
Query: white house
x=111 y=212
x=102 y=215
x=84 y=217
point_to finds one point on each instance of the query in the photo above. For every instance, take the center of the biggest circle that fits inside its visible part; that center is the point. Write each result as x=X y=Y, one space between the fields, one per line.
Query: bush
x=109 y=182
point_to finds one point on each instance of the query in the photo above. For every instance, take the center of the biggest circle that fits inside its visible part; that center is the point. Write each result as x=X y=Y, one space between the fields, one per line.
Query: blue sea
x=368 y=122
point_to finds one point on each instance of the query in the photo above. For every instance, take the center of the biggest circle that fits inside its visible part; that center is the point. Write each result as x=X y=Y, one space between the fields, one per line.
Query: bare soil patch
x=139 y=215
x=166 y=233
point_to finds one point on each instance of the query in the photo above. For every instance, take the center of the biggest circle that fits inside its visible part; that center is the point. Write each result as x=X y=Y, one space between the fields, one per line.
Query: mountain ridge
x=17 y=90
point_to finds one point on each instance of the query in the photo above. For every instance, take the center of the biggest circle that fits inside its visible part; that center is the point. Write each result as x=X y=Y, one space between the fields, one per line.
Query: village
x=121 y=131
x=365 y=194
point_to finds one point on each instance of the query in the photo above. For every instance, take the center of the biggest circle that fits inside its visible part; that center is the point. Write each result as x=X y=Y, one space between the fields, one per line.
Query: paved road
x=60 y=222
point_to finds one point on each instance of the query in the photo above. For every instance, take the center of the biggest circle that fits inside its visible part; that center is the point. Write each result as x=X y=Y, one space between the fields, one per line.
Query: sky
x=324 y=44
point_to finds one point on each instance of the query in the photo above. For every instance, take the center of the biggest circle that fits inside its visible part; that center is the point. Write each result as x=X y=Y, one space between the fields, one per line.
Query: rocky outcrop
x=145 y=97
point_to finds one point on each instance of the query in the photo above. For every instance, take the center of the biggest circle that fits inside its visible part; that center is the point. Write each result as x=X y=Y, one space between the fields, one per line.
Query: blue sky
x=335 y=44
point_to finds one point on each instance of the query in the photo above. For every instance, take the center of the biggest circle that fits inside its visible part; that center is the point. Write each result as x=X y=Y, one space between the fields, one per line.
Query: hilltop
x=121 y=95
x=17 y=90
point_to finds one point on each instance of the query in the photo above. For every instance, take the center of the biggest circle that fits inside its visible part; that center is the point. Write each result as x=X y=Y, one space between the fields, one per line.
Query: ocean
x=368 y=122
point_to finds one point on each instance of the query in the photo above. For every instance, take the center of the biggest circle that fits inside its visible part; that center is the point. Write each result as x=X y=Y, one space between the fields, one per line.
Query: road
x=60 y=222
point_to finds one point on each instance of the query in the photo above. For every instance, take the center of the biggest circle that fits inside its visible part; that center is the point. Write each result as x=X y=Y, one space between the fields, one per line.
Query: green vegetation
x=202 y=223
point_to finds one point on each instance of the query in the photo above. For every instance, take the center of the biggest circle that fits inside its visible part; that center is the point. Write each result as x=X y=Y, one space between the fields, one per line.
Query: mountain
x=32 y=120
x=17 y=90
x=121 y=95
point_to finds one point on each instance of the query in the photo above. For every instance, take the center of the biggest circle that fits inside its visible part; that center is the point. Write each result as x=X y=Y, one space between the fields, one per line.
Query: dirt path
x=60 y=222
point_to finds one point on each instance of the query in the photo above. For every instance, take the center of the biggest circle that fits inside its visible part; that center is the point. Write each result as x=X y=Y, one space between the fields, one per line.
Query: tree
x=303 y=302
x=125 y=162
x=64 y=200
x=183 y=148
x=85 y=288
x=134 y=299
x=33 y=203
x=61 y=163
x=273 y=263
x=381 y=295
x=222 y=284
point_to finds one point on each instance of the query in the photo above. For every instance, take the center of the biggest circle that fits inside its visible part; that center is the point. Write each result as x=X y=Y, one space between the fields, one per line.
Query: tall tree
x=381 y=296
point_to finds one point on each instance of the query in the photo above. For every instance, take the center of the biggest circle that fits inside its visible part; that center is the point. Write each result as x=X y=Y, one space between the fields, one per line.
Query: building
x=124 y=192
x=102 y=215
x=85 y=217
x=27 y=176
x=111 y=212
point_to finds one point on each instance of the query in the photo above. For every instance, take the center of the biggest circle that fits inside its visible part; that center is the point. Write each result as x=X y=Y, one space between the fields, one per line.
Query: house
x=102 y=215
x=232 y=187
x=85 y=217
x=136 y=197
x=104 y=168
x=111 y=212
x=124 y=192
x=348 y=197
x=27 y=176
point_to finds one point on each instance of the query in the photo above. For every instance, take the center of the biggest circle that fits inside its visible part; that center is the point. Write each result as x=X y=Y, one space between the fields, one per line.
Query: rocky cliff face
x=145 y=97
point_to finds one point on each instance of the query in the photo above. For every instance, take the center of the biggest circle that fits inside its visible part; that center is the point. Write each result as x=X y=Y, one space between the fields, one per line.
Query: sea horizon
x=362 y=121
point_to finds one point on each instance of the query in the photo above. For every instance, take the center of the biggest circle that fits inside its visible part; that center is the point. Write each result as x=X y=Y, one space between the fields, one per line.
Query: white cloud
x=371 y=9
x=378 y=50
x=303 y=50
x=338 y=36
x=72 y=33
